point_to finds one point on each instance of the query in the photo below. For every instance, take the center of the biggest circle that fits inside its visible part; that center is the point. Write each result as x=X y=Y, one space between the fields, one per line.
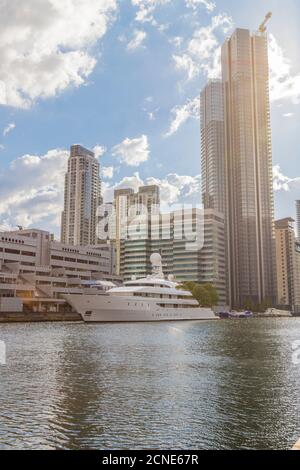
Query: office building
x=248 y=168
x=129 y=205
x=190 y=241
x=213 y=146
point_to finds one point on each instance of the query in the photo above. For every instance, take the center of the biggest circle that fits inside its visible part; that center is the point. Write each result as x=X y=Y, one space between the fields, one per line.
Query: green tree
x=265 y=305
x=213 y=294
x=249 y=305
x=206 y=294
x=201 y=295
x=187 y=285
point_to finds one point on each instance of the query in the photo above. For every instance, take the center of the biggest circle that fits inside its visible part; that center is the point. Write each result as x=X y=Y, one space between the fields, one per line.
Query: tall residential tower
x=82 y=197
x=248 y=163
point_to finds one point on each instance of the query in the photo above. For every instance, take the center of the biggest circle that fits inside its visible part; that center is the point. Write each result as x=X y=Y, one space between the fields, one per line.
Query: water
x=222 y=385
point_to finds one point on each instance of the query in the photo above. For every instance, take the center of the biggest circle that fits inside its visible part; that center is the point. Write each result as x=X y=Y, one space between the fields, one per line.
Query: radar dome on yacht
x=171 y=277
x=155 y=259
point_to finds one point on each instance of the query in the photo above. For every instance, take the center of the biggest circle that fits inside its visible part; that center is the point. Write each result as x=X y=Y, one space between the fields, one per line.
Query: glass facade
x=248 y=169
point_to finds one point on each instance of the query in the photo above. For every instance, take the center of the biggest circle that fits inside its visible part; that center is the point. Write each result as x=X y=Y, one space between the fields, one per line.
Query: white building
x=82 y=198
x=39 y=271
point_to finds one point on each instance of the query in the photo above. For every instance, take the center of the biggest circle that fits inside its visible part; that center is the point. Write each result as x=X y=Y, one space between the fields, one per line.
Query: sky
x=123 y=77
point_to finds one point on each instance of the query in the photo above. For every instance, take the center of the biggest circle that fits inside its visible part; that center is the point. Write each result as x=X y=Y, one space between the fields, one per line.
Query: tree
x=249 y=305
x=201 y=295
x=187 y=285
x=206 y=294
x=213 y=294
x=265 y=305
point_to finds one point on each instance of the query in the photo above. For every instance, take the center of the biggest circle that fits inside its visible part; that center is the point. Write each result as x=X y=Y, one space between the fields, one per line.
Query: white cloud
x=31 y=190
x=283 y=83
x=10 y=127
x=176 y=41
x=191 y=109
x=210 y=6
x=107 y=172
x=99 y=150
x=2 y=147
x=288 y=115
x=146 y=9
x=186 y=63
x=137 y=40
x=284 y=183
x=202 y=52
x=132 y=152
x=45 y=46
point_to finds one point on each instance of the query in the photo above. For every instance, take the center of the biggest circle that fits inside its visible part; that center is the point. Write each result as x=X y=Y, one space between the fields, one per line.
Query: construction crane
x=263 y=27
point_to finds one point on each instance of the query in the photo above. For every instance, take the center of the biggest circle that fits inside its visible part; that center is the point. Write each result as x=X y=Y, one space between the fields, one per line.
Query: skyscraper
x=82 y=197
x=129 y=205
x=248 y=168
x=212 y=146
x=298 y=219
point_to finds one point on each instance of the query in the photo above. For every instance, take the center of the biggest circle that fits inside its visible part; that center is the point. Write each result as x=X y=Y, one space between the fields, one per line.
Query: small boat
x=235 y=315
x=224 y=315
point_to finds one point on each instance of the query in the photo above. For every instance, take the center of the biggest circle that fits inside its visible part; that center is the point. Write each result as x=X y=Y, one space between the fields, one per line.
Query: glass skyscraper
x=248 y=169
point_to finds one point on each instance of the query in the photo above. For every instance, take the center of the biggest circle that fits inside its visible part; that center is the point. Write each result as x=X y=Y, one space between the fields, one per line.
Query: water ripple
x=204 y=385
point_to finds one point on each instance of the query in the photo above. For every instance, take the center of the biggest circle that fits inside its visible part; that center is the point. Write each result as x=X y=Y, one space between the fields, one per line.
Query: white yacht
x=145 y=300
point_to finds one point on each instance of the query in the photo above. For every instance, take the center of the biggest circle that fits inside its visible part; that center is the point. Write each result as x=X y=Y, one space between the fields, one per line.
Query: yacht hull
x=106 y=309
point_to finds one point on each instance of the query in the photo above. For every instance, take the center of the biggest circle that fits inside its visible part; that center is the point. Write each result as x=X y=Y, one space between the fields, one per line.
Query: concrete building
x=190 y=241
x=38 y=270
x=298 y=219
x=288 y=265
x=213 y=147
x=129 y=205
x=248 y=168
x=82 y=198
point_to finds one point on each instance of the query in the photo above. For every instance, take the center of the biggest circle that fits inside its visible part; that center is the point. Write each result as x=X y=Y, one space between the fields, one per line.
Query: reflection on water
x=224 y=385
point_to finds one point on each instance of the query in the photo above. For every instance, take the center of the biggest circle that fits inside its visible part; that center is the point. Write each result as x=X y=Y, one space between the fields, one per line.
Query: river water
x=195 y=385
